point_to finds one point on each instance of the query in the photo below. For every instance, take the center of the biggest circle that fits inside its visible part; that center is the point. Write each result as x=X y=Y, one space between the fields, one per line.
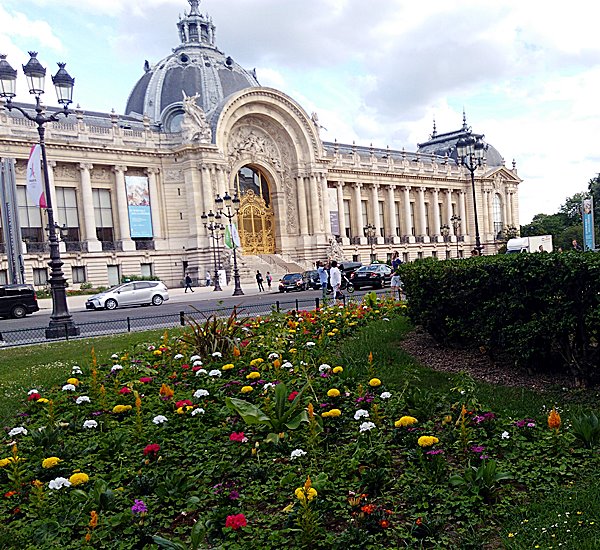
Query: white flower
x=217 y=354
x=114 y=356
x=150 y=348
x=385 y=395
x=201 y=393
x=385 y=319
x=245 y=329
x=68 y=387
x=297 y=453
x=90 y=424
x=366 y=426
x=361 y=413
x=200 y=371
x=273 y=356
x=310 y=344
x=115 y=368
x=32 y=391
x=324 y=367
x=59 y=483
x=17 y=431
x=214 y=372
x=303 y=363
x=178 y=356
x=82 y=399
x=159 y=419
x=287 y=365
x=197 y=411
x=75 y=369
x=505 y=435
x=365 y=307
x=194 y=358
x=268 y=386
x=197 y=363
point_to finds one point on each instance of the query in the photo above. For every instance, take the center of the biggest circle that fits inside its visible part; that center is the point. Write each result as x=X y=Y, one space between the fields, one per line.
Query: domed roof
x=196 y=66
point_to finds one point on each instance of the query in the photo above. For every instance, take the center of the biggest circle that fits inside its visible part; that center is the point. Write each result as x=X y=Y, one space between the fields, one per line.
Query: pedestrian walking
x=207 y=278
x=395 y=285
x=396 y=261
x=323 y=278
x=335 y=278
x=259 y=281
x=188 y=283
x=269 y=278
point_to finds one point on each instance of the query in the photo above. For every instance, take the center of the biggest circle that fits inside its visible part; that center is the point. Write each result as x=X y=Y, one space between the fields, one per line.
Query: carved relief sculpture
x=194 y=126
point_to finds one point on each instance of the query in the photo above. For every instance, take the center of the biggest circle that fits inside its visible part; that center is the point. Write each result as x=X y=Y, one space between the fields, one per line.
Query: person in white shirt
x=335 y=279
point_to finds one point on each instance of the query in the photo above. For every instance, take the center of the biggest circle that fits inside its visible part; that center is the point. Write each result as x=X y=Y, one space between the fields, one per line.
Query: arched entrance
x=255 y=217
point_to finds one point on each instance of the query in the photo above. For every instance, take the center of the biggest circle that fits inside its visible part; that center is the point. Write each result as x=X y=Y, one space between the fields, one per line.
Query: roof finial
x=434 y=133
x=465 y=127
x=194 y=4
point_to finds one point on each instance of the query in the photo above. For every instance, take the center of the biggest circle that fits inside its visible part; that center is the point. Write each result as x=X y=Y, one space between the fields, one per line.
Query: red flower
x=238 y=436
x=10 y=494
x=368 y=508
x=292 y=396
x=124 y=390
x=34 y=397
x=146 y=379
x=151 y=449
x=185 y=367
x=237 y=521
x=384 y=523
x=244 y=343
x=183 y=403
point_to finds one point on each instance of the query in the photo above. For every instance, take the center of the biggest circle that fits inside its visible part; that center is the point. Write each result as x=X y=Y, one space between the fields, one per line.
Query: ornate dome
x=196 y=67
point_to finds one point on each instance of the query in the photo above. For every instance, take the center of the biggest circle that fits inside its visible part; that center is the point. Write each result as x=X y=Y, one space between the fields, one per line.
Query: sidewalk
x=77 y=303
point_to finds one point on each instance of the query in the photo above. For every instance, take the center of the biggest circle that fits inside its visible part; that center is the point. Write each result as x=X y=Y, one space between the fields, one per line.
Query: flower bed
x=267 y=441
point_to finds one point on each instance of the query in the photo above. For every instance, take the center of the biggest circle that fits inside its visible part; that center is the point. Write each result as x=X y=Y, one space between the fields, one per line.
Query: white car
x=135 y=293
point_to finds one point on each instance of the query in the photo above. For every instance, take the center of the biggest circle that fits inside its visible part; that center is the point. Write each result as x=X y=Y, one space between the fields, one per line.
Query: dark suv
x=17 y=301
x=291 y=282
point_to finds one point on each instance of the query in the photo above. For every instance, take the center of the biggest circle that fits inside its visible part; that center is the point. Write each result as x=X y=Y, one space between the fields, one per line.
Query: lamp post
x=212 y=222
x=370 y=231
x=445 y=231
x=455 y=221
x=470 y=152
x=61 y=322
x=232 y=207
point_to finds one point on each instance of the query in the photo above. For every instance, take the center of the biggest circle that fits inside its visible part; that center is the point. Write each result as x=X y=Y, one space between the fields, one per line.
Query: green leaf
x=249 y=412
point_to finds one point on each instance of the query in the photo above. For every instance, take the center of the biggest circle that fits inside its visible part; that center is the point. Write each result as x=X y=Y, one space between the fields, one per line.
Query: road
x=93 y=323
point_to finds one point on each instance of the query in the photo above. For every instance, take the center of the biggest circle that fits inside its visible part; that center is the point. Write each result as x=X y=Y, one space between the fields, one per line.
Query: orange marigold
x=166 y=391
x=554 y=419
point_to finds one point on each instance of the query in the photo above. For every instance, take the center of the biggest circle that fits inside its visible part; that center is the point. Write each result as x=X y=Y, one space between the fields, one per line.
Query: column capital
x=339 y=184
x=422 y=189
x=52 y=164
x=85 y=166
x=406 y=188
x=119 y=168
x=152 y=170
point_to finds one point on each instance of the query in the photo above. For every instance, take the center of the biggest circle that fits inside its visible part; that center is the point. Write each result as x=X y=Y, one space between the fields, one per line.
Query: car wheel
x=157 y=299
x=110 y=304
x=19 y=312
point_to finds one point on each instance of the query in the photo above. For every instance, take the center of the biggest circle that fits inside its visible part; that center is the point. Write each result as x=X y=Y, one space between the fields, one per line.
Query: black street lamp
x=61 y=322
x=232 y=206
x=212 y=222
x=470 y=153
x=455 y=220
x=370 y=231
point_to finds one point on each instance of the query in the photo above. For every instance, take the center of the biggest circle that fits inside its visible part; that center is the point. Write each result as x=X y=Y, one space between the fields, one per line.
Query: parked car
x=311 y=280
x=17 y=301
x=291 y=281
x=375 y=275
x=348 y=268
x=137 y=293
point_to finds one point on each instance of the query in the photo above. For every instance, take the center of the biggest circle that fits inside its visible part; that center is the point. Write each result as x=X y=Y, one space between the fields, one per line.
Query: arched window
x=497 y=217
x=251 y=179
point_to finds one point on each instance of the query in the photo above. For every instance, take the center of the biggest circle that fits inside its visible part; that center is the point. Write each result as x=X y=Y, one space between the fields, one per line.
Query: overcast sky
x=378 y=71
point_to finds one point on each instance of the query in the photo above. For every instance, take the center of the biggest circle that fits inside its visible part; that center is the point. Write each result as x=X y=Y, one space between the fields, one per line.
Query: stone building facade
x=196 y=126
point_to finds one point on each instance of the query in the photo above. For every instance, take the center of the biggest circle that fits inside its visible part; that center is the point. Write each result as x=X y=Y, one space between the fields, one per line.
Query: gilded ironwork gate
x=256 y=224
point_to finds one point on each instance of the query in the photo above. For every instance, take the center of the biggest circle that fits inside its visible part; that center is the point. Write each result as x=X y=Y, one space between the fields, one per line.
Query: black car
x=375 y=275
x=291 y=281
x=311 y=279
x=17 y=301
x=348 y=268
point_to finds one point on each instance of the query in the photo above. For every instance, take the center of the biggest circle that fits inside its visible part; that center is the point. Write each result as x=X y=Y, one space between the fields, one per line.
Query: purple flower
x=477 y=448
x=526 y=422
x=435 y=452
x=484 y=417
x=483 y=457
x=234 y=495
x=139 y=507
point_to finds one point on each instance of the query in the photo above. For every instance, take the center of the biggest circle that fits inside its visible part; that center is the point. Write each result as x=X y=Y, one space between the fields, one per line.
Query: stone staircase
x=278 y=265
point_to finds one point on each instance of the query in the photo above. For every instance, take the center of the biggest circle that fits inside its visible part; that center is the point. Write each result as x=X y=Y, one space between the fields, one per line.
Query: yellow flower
x=337 y=370
x=405 y=421
x=332 y=412
x=303 y=495
x=254 y=375
x=247 y=389
x=5 y=462
x=157 y=352
x=333 y=392
x=331 y=334
x=73 y=381
x=79 y=479
x=50 y=462
x=118 y=409
x=293 y=350
x=42 y=400
x=228 y=366
x=256 y=362
x=180 y=410
x=374 y=382
x=554 y=419
x=427 y=440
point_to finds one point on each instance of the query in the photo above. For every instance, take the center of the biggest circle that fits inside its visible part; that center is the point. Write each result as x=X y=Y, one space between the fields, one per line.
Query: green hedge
x=541 y=311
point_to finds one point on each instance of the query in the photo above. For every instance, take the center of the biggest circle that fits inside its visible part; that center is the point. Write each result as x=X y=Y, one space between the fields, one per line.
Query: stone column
x=205 y=199
x=462 y=213
x=488 y=206
x=314 y=204
x=122 y=210
x=302 y=211
x=155 y=202
x=391 y=208
x=89 y=218
x=422 y=217
x=51 y=165
x=509 y=220
x=449 y=210
x=325 y=198
x=436 y=212
x=357 y=204
x=375 y=209
x=340 y=200
x=407 y=212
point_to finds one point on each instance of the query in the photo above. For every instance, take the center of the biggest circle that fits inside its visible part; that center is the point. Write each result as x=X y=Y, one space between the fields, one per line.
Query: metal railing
x=37 y=335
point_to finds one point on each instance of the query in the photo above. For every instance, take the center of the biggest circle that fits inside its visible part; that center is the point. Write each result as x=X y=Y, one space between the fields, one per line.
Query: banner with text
x=334 y=211
x=138 y=206
x=588 y=224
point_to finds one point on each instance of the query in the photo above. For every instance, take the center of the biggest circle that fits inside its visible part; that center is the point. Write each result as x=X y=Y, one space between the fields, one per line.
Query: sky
x=527 y=73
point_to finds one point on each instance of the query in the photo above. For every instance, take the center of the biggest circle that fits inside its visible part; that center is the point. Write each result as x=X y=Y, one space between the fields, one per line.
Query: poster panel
x=334 y=215
x=138 y=206
x=588 y=224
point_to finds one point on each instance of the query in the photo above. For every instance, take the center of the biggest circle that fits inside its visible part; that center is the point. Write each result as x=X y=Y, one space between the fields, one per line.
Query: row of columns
x=313 y=213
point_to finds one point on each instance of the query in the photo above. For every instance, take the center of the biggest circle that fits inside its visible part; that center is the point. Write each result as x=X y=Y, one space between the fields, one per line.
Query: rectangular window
x=419 y=255
x=389 y=258
x=405 y=257
x=355 y=258
x=434 y=254
x=364 y=205
x=381 y=219
x=78 y=274
x=347 y=222
x=448 y=255
x=397 y=212
x=412 y=219
x=103 y=214
x=66 y=212
x=40 y=276
x=146 y=270
x=114 y=275
x=427 y=228
x=30 y=217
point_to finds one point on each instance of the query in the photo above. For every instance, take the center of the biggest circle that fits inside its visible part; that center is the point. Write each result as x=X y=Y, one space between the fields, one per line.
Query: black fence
x=37 y=335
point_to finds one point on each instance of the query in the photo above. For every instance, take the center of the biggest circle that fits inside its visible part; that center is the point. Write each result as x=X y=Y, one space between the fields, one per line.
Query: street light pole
x=370 y=230
x=61 y=322
x=455 y=220
x=230 y=214
x=215 y=227
x=470 y=151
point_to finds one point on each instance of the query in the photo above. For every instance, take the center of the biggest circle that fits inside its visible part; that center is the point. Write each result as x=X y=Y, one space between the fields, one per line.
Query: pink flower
x=34 y=397
x=238 y=436
x=124 y=390
x=183 y=403
x=292 y=396
x=146 y=379
x=237 y=521
x=151 y=449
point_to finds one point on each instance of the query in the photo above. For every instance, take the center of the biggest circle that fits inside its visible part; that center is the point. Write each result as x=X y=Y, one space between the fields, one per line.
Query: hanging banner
x=232 y=237
x=334 y=211
x=35 y=182
x=588 y=224
x=138 y=206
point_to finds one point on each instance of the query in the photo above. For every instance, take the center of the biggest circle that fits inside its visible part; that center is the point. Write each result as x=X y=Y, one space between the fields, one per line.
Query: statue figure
x=334 y=250
x=315 y=119
x=194 y=125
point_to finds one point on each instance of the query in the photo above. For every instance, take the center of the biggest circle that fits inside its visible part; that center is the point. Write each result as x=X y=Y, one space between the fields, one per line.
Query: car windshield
x=292 y=276
x=368 y=268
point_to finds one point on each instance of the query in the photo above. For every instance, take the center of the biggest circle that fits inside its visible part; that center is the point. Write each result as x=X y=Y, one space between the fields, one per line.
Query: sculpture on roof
x=334 y=250
x=194 y=126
